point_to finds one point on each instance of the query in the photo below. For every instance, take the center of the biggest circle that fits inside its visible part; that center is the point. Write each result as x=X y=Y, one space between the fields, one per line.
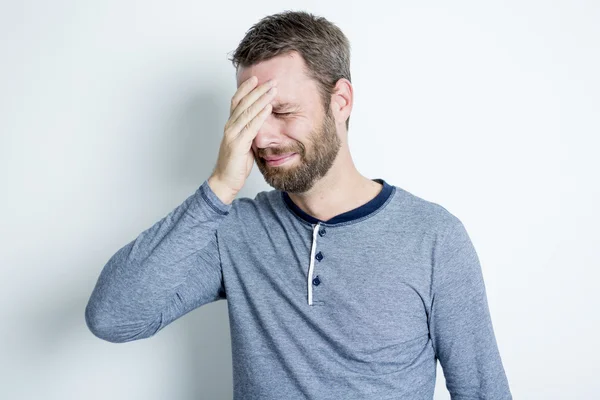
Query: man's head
x=309 y=57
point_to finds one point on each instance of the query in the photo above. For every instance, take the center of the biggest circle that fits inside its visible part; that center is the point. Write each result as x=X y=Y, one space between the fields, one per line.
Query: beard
x=301 y=175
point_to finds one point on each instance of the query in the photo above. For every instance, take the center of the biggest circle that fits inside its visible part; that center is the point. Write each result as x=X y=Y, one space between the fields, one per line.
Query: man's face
x=298 y=124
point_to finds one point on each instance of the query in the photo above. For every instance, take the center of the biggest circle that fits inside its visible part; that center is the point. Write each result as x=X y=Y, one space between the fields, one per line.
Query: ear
x=342 y=100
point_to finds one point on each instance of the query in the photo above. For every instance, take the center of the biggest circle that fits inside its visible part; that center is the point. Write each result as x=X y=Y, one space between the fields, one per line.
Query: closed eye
x=287 y=113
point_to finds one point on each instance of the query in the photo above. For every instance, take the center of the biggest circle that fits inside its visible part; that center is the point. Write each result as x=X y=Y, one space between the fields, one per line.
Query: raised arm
x=168 y=270
x=174 y=266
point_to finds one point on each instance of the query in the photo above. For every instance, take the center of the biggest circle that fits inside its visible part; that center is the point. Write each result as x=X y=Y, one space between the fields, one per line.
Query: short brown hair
x=322 y=45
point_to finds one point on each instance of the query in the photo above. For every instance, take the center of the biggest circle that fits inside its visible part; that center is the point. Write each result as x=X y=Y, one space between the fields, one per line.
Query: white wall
x=111 y=114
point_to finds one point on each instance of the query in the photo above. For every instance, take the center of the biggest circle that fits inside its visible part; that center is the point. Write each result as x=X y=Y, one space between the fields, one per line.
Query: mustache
x=277 y=153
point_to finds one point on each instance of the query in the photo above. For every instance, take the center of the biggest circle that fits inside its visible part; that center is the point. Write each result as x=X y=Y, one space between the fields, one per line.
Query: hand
x=250 y=107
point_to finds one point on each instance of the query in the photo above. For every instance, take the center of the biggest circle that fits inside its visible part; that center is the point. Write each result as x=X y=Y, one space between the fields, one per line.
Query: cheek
x=299 y=139
x=298 y=129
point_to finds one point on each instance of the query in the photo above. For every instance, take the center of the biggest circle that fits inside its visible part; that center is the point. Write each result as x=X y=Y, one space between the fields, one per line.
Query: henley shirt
x=360 y=306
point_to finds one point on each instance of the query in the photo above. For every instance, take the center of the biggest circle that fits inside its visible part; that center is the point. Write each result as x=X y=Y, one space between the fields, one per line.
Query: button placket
x=319 y=257
x=314 y=279
x=309 y=277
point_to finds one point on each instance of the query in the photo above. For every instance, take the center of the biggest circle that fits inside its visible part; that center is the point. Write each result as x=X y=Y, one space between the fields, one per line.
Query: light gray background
x=111 y=114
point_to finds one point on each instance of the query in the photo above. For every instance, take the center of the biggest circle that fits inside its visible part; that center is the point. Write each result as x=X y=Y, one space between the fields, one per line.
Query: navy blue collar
x=366 y=209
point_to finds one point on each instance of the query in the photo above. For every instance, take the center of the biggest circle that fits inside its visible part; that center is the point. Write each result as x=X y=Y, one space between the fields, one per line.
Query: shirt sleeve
x=460 y=322
x=170 y=269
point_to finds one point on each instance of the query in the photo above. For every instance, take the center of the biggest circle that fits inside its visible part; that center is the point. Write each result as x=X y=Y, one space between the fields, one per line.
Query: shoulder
x=424 y=214
x=262 y=201
x=245 y=211
x=442 y=230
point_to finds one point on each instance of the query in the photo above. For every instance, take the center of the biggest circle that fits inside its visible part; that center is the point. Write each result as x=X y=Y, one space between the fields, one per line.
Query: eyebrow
x=284 y=105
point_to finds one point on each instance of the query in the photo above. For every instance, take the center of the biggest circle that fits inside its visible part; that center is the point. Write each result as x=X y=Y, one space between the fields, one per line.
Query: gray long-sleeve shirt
x=357 y=307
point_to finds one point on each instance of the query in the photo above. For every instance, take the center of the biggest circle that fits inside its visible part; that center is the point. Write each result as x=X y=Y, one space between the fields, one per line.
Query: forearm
x=139 y=279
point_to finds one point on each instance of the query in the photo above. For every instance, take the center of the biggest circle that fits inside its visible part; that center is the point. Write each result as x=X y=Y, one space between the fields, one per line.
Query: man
x=338 y=286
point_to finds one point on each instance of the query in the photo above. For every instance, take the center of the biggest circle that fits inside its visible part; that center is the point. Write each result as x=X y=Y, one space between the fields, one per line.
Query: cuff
x=212 y=199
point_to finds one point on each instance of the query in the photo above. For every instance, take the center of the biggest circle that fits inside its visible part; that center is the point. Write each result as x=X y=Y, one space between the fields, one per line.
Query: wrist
x=222 y=191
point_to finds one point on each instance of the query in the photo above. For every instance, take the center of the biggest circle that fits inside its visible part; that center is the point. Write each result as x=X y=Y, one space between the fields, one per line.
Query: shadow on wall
x=188 y=143
x=55 y=342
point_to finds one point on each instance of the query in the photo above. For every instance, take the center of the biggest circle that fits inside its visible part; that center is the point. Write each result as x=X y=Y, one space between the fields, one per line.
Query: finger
x=242 y=91
x=250 y=98
x=250 y=130
x=250 y=113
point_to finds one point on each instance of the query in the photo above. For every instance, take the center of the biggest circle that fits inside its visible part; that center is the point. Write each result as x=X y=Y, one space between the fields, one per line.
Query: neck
x=342 y=189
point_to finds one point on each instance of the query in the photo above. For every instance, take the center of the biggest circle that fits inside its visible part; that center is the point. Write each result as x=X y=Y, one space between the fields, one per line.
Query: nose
x=268 y=134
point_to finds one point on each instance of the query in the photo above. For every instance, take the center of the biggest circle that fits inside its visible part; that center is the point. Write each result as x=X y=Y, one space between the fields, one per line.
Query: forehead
x=280 y=67
x=293 y=85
